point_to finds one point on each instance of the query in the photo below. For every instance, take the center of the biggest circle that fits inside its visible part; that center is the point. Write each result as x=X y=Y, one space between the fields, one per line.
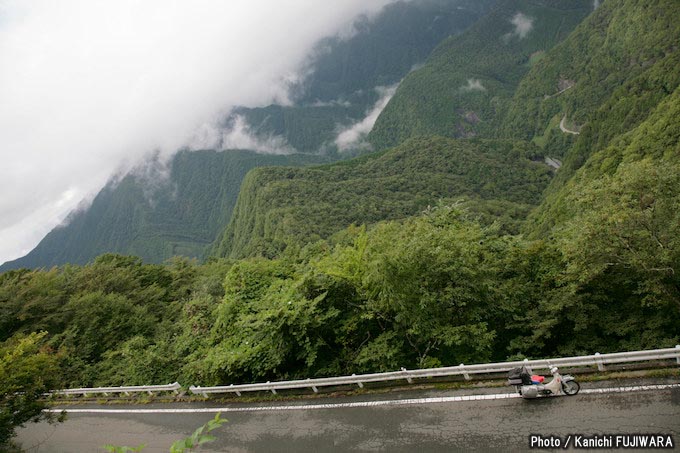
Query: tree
x=27 y=371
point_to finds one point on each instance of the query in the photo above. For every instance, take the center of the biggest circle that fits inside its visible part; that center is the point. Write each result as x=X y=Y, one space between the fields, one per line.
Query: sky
x=90 y=87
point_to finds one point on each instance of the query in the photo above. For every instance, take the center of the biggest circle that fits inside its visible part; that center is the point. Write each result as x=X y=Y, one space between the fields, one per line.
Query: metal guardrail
x=150 y=389
x=597 y=359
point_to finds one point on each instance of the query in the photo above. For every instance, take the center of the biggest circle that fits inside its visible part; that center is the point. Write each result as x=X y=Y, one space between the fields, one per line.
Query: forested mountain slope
x=345 y=72
x=186 y=214
x=154 y=215
x=626 y=48
x=463 y=88
x=278 y=207
x=603 y=81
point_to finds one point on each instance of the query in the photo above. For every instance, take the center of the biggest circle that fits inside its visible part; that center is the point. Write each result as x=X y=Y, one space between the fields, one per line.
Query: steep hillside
x=339 y=88
x=282 y=206
x=156 y=216
x=462 y=89
x=614 y=70
x=623 y=41
x=638 y=162
x=345 y=72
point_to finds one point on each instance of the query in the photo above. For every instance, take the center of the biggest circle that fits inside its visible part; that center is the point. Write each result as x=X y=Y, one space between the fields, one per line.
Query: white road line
x=306 y=407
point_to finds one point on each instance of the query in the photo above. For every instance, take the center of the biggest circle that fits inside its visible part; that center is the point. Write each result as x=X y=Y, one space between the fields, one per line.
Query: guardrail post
x=526 y=365
x=600 y=365
x=408 y=378
x=273 y=390
x=237 y=392
x=465 y=373
x=316 y=390
x=196 y=390
x=677 y=359
x=361 y=385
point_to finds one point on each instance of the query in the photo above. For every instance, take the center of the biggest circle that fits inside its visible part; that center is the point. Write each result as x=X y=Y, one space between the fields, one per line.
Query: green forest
x=453 y=243
x=283 y=206
x=437 y=288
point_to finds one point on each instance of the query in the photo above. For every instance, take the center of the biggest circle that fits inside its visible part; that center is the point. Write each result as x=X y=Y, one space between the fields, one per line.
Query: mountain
x=436 y=251
x=603 y=82
x=472 y=78
x=347 y=74
x=185 y=213
x=523 y=72
x=278 y=207
x=156 y=212
x=463 y=88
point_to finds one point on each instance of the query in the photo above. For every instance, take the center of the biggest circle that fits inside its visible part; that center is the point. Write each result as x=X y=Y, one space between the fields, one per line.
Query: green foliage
x=268 y=324
x=27 y=371
x=463 y=88
x=620 y=41
x=627 y=234
x=410 y=257
x=199 y=437
x=384 y=48
x=98 y=321
x=278 y=207
x=621 y=63
x=31 y=301
x=425 y=285
x=655 y=137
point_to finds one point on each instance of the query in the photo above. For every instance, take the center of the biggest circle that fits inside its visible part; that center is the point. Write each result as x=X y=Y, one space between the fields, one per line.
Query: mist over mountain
x=90 y=89
x=340 y=87
x=348 y=77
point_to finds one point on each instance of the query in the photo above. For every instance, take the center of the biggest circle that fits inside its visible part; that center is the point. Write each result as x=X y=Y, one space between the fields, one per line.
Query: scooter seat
x=535 y=379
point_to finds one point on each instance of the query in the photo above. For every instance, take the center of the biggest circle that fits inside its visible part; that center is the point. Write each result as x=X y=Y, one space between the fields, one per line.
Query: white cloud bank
x=89 y=86
x=240 y=136
x=523 y=25
x=354 y=136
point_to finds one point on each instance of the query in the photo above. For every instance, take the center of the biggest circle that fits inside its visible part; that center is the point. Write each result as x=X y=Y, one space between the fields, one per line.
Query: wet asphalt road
x=496 y=425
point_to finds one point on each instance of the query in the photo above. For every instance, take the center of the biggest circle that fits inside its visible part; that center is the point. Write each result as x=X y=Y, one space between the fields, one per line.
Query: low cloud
x=523 y=26
x=237 y=135
x=333 y=103
x=240 y=136
x=596 y=4
x=354 y=137
x=90 y=87
x=473 y=85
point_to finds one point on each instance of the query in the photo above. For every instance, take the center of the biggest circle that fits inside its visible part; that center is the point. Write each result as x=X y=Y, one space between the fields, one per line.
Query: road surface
x=563 y=127
x=421 y=421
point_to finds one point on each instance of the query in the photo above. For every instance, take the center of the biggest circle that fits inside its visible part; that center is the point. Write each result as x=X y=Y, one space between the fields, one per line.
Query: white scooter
x=532 y=386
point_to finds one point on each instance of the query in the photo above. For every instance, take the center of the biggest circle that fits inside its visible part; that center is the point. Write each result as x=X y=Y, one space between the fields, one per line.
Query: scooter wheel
x=570 y=388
